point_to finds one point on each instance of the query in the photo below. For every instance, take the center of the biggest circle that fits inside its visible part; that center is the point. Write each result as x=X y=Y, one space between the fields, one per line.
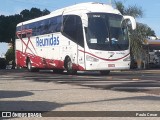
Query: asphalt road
x=136 y=90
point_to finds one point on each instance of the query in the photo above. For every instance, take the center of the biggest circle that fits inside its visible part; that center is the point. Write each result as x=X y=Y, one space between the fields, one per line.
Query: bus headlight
x=92 y=59
x=127 y=59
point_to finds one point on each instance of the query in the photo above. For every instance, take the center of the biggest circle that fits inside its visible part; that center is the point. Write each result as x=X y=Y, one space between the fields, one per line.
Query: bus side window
x=58 y=24
x=17 y=30
x=24 y=34
x=33 y=27
x=55 y=24
x=72 y=28
x=80 y=38
x=46 y=26
x=38 y=31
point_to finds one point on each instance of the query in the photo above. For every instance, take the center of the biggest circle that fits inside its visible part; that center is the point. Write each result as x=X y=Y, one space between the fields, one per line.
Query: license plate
x=111 y=65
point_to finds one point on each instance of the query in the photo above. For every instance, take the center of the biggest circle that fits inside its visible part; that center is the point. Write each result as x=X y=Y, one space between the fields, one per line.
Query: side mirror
x=132 y=20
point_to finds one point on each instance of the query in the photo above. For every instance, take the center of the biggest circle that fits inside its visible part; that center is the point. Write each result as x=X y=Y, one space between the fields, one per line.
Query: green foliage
x=8 y=27
x=10 y=55
x=137 y=36
x=8 y=23
x=33 y=13
x=120 y=7
x=134 y=10
x=150 y=32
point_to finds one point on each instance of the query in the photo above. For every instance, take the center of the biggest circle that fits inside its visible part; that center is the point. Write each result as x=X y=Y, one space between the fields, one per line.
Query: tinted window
x=106 y=31
x=72 y=28
x=55 y=24
x=46 y=26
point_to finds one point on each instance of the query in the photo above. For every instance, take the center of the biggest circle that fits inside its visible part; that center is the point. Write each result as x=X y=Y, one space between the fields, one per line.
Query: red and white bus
x=86 y=36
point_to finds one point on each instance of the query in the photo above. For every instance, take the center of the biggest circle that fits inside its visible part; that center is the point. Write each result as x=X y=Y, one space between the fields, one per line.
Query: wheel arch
x=65 y=60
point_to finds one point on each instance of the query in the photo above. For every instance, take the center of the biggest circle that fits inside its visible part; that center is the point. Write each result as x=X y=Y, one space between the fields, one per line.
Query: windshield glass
x=106 y=32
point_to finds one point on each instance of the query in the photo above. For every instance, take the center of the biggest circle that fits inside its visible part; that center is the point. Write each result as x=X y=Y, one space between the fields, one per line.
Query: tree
x=150 y=32
x=25 y=14
x=120 y=7
x=8 y=23
x=134 y=10
x=8 y=27
x=45 y=12
x=10 y=55
x=137 y=36
x=33 y=13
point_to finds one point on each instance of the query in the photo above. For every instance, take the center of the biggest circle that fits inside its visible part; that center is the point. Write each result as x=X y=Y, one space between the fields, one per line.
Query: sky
x=150 y=8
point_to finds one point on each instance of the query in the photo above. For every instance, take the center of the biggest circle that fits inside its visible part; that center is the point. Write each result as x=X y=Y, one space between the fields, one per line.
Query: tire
x=30 y=68
x=68 y=66
x=105 y=72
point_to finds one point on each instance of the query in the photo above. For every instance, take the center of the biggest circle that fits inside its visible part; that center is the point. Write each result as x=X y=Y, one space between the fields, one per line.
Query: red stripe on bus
x=104 y=58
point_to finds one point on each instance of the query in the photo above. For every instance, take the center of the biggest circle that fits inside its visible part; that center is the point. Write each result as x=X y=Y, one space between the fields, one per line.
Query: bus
x=82 y=37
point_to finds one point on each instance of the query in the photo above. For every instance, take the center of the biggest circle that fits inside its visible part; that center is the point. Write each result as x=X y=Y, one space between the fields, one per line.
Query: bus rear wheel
x=68 y=66
x=30 y=68
x=105 y=72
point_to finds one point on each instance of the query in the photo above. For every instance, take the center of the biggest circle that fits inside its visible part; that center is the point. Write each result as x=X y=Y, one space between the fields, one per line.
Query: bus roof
x=77 y=9
x=88 y=7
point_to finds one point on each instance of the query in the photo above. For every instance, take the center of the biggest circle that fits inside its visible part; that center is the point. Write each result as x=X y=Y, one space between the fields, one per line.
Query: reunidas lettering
x=50 y=41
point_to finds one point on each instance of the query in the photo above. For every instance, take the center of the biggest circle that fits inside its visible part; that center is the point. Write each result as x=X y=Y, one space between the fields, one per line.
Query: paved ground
x=46 y=91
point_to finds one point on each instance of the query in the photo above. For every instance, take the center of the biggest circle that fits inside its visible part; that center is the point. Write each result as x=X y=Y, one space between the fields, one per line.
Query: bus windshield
x=106 y=31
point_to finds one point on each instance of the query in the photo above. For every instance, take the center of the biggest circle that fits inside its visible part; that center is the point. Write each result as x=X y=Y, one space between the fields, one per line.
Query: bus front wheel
x=68 y=66
x=30 y=68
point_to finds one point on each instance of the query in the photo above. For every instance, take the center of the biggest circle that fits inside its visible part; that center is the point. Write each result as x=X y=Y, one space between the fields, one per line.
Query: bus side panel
x=68 y=48
x=20 y=59
x=81 y=59
x=20 y=56
x=46 y=56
